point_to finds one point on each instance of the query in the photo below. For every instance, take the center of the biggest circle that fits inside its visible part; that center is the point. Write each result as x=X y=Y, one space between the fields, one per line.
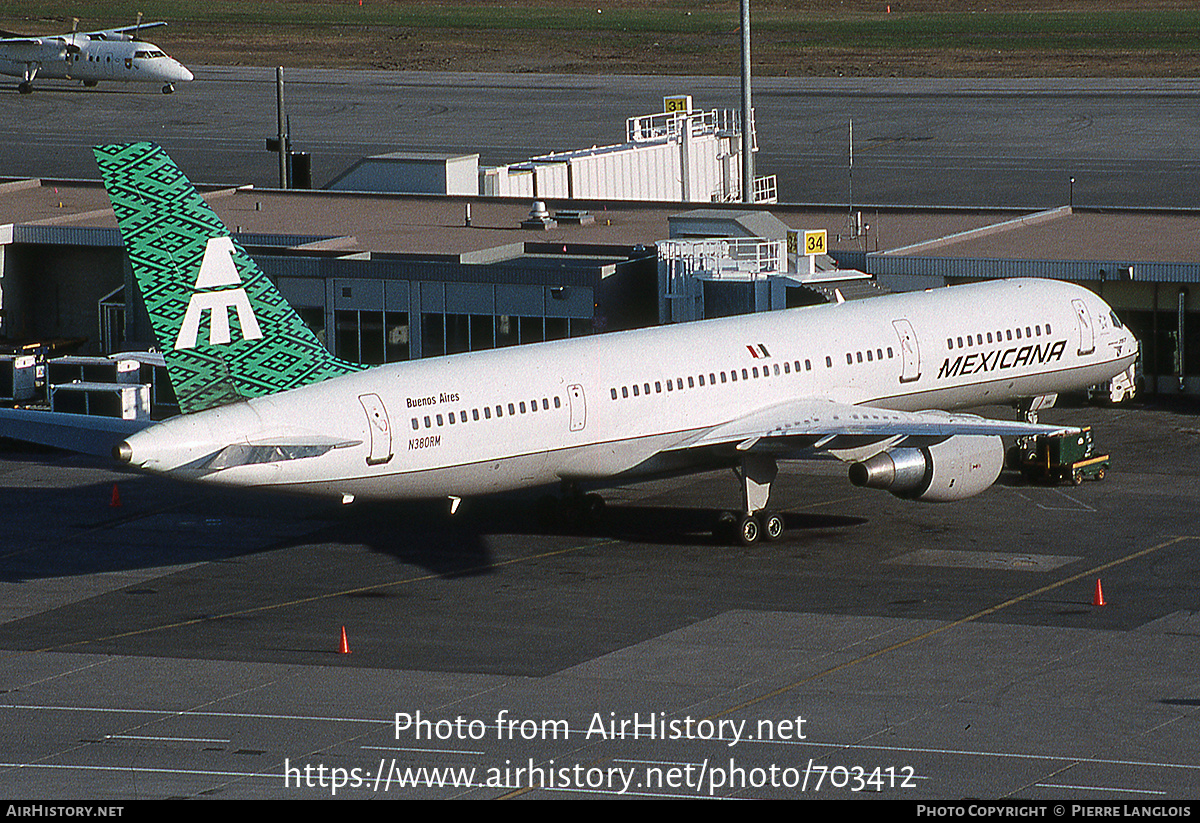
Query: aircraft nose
x=183 y=74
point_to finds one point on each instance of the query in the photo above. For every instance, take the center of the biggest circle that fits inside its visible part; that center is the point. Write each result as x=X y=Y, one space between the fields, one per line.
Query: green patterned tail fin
x=225 y=331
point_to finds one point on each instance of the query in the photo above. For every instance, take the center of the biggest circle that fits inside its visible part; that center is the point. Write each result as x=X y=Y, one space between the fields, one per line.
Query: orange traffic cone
x=344 y=646
x=1098 y=598
x=115 y=503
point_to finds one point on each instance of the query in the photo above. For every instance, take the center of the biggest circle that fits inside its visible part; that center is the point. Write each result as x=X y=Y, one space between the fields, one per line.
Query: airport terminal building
x=388 y=277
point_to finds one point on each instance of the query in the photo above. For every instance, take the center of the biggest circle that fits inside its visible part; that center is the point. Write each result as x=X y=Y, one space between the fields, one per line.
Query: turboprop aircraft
x=117 y=55
x=870 y=382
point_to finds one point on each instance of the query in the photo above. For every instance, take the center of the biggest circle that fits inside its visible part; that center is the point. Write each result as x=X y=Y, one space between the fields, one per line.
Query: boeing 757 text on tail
x=872 y=382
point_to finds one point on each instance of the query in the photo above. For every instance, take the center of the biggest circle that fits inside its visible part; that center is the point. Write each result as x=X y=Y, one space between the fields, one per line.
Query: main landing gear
x=754 y=522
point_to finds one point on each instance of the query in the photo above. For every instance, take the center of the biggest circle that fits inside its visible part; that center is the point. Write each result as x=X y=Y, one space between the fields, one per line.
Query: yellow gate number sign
x=815 y=242
x=682 y=104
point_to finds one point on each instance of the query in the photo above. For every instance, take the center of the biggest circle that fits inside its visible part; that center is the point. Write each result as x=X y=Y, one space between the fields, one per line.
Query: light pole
x=747 y=135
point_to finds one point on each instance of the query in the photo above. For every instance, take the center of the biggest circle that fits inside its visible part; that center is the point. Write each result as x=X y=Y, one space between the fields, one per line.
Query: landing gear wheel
x=168 y=89
x=749 y=530
x=772 y=524
x=25 y=88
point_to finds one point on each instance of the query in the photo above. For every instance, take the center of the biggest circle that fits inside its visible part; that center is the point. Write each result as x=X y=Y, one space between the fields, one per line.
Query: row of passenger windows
x=486 y=412
x=711 y=379
x=731 y=376
x=1000 y=336
x=872 y=356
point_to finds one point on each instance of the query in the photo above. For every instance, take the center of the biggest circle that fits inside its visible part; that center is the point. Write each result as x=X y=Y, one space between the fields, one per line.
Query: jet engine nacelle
x=956 y=468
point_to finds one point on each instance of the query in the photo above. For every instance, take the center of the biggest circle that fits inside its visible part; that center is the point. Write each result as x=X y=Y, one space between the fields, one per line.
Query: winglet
x=225 y=331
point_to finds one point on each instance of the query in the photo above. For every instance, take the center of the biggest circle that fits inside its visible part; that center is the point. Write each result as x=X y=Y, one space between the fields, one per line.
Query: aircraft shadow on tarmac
x=149 y=524
x=426 y=535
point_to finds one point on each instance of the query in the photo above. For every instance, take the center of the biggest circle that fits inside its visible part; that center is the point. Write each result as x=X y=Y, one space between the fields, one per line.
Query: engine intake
x=954 y=469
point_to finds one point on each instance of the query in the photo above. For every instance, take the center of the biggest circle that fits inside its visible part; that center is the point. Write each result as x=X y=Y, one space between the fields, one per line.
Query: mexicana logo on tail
x=188 y=265
x=217 y=271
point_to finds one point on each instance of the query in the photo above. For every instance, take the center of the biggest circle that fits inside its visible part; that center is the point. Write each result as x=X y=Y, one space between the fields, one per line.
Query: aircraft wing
x=84 y=433
x=814 y=424
x=127 y=31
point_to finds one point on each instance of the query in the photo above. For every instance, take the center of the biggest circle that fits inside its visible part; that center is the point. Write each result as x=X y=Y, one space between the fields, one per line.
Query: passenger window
x=624 y=393
x=635 y=390
x=499 y=411
x=657 y=387
x=475 y=414
x=691 y=382
x=428 y=423
x=416 y=425
x=557 y=401
x=439 y=420
x=614 y=393
x=522 y=406
x=487 y=412
x=744 y=376
x=512 y=410
x=701 y=380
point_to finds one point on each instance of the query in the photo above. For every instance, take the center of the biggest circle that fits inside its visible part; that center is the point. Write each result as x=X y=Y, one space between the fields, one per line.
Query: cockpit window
x=149 y=54
x=1115 y=320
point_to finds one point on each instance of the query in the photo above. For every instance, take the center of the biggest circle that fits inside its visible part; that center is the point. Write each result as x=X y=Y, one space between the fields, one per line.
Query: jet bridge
x=682 y=155
x=717 y=276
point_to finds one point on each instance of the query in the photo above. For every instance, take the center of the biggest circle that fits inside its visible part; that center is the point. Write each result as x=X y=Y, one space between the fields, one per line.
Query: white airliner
x=866 y=381
x=116 y=55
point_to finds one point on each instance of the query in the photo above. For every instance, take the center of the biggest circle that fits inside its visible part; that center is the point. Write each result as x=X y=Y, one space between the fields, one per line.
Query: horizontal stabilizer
x=84 y=433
